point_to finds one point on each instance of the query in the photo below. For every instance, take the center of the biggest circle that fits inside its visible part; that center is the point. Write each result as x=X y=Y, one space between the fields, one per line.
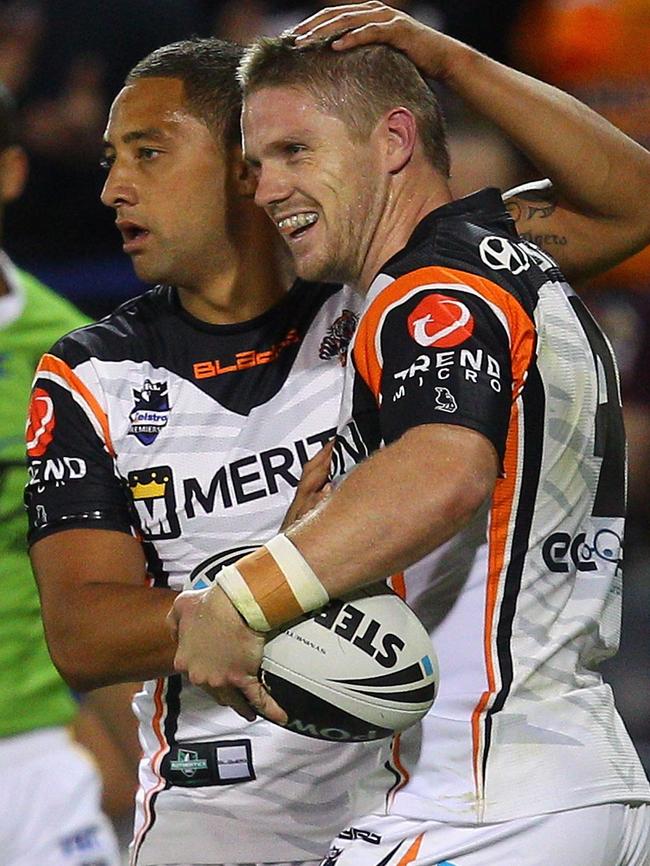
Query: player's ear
x=243 y=178
x=400 y=131
x=13 y=173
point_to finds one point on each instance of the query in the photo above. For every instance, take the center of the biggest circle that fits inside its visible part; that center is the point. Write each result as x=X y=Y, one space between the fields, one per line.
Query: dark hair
x=208 y=70
x=8 y=124
x=357 y=85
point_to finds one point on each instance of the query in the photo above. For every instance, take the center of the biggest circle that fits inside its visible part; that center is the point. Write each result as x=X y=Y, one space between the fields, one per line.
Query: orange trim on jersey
x=154 y=764
x=502 y=502
x=52 y=364
x=522 y=333
x=412 y=852
x=404 y=773
x=398 y=584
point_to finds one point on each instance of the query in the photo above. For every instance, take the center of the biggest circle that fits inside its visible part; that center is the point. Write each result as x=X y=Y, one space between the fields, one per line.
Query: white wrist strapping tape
x=272 y=585
x=307 y=588
x=236 y=588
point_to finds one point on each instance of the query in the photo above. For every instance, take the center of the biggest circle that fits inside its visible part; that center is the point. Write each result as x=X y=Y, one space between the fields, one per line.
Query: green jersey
x=32 y=695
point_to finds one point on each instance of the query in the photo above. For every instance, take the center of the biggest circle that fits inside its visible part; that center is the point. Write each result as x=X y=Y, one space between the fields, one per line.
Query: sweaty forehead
x=272 y=114
x=149 y=103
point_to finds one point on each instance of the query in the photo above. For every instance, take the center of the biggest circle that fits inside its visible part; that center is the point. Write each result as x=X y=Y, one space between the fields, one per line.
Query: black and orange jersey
x=470 y=325
x=193 y=437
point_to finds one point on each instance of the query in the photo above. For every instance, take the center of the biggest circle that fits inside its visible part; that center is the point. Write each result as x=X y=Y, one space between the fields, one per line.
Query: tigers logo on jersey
x=40 y=423
x=440 y=322
x=150 y=412
x=336 y=341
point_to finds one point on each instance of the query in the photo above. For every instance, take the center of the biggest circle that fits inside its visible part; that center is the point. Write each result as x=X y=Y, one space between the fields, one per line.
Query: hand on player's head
x=374 y=22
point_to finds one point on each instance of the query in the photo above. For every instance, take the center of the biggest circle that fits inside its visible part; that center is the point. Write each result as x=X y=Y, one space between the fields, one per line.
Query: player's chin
x=313 y=269
x=149 y=271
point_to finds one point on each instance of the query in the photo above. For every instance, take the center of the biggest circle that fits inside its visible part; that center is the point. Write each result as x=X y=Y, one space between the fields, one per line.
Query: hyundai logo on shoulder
x=501 y=254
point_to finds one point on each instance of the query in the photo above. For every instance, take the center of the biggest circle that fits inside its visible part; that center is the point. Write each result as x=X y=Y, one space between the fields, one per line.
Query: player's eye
x=106 y=162
x=147 y=153
x=294 y=148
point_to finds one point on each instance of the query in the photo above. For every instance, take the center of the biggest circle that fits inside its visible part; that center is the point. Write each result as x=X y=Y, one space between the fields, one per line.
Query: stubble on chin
x=328 y=270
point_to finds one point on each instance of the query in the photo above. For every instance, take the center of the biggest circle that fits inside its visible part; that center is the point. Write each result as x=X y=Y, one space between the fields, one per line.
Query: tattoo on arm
x=543 y=211
x=532 y=204
x=545 y=240
x=529 y=204
x=514 y=209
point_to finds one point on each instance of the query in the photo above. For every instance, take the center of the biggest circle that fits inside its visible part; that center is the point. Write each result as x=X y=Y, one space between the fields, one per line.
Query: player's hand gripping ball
x=359 y=669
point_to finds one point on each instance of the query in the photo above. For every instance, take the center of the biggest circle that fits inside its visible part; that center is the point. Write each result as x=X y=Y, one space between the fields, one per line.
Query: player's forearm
x=593 y=165
x=111 y=633
x=394 y=509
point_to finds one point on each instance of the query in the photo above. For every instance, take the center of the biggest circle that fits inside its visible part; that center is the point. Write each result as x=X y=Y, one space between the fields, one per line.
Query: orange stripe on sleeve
x=52 y=364
x=522 y=333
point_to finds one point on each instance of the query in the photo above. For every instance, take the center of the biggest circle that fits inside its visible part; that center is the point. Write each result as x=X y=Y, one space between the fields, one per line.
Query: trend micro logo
x=40 y=423
x=440 y=322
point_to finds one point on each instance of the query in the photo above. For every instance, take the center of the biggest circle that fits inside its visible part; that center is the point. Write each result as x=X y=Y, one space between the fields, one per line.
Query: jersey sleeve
x=72 y=478
x=439 y=345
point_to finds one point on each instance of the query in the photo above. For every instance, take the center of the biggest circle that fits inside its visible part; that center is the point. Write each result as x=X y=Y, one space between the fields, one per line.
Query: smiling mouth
x=295 y=226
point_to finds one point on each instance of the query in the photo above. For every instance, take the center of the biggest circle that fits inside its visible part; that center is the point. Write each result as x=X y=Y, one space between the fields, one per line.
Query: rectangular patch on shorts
x=234 y=761
x=203 y=764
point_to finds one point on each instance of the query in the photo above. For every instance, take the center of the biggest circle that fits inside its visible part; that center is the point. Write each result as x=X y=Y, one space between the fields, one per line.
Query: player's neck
x=412 y=197
x=248 y=281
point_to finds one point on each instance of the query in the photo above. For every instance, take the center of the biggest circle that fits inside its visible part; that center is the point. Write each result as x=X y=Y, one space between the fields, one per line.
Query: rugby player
x=487 y=402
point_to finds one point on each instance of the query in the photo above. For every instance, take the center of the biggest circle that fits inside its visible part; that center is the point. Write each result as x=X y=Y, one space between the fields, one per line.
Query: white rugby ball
x=359 y=669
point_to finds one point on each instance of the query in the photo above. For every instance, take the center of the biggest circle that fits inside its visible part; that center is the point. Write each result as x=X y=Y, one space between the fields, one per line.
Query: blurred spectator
x=50 y=793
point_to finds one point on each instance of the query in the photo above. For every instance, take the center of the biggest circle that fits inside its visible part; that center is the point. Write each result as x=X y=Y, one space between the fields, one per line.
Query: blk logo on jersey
x=245 y=360
x=335 y=343
x=150 y=412
x=440 y=322
x=40 y=423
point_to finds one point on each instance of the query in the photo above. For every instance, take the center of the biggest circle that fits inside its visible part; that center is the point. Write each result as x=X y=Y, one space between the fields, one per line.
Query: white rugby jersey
x=470 y=325
x=194 y=435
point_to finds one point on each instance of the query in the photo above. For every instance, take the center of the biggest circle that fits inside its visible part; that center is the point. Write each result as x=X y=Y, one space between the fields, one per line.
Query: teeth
x=297 y=221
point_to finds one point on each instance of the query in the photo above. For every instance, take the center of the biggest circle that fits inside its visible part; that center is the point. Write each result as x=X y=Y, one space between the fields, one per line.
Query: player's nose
x=272 y=187
x=118 y=189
